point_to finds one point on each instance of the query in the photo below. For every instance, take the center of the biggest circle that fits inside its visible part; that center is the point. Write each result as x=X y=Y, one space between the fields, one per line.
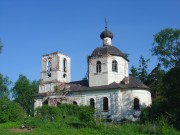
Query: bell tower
x=55 y=71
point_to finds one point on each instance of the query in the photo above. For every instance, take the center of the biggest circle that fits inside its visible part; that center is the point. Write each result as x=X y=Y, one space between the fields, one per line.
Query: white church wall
x=128 y=96
x=121 y=72
x=38 y=103
x=107 y=76
x=56 y=67
x=113 y=96
x=58 y=75
x=101 y=78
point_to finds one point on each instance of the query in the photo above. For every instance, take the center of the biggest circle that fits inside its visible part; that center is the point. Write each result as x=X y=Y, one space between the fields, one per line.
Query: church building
x=108 y=87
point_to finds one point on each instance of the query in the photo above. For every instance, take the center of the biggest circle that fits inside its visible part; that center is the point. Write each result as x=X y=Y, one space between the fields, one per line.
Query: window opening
x=105 y=104
x=49 y=67
x=64 y=65
x=64 y=75
x=136 y=104
x=114 y=66
x=98 y=67
x=74 y=103
x=92 y=102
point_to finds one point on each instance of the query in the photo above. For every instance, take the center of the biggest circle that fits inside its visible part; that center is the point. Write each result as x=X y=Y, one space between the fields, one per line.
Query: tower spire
x=105 y=20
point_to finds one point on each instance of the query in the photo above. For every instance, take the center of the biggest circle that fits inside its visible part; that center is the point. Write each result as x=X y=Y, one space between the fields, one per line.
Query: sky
x=31 y=28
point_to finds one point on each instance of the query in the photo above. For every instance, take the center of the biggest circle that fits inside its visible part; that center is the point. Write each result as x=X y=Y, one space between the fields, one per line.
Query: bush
x=10 y=111
x=84 y=113
x=47 y=113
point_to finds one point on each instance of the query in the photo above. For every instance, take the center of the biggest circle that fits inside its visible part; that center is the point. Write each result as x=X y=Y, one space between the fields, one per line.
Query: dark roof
x=107 y=49
x=106 y=33
x=83 y=85
x=40 y=95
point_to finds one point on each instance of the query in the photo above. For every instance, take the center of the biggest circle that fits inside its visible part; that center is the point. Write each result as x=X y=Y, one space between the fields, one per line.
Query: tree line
x=16 y=100
x=164 y=79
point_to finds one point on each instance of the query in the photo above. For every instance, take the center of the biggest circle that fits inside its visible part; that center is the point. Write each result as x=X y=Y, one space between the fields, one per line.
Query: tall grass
x=69 y=121
x=63 y=128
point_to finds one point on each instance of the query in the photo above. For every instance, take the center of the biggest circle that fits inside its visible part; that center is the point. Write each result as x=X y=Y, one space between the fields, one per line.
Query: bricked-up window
x=136 y=104
x=64 y=65
x=98 y=67
x=49 y=67
x=92 y=102
x=105 y=104
x=114 y=66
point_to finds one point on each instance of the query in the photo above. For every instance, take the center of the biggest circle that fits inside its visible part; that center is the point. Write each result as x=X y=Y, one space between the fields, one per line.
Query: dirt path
x=19 y=130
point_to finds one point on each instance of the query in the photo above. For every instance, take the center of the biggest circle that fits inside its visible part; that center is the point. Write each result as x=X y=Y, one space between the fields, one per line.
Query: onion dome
x=106 y=33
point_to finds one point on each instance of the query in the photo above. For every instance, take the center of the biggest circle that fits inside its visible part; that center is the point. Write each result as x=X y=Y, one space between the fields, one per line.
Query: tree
x=10 y=111
x=171 y=92
x=171 y=89
x=134 y=72
x=4 y=86
x=23 y=92
x=142 y=72
x=166 y=47
x=155 y=81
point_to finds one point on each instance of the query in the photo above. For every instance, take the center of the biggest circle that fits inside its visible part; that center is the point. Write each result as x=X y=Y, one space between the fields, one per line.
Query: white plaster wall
x=98 y=79
x=98 y=95
x=68 y=72
x=47 y=87
x=122 y=69
x=56 y=73
x=107 y=41
x=128 y=96
x=121 y=103
x=107 y=76
x=37 y=103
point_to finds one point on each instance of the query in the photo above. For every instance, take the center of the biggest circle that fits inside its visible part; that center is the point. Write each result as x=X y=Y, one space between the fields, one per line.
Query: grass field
x=72 y=126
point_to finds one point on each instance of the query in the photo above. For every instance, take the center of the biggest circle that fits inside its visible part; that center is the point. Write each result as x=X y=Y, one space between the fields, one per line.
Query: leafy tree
x=4 y=86
x=171 y=92
x=166 y=47
x=166 y=84
x=171 y=87
x=23 y=92
x=10 y=111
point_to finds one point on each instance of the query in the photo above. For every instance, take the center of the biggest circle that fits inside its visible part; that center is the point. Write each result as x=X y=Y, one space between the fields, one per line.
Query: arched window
x=98 y=67
x=114 y=66
x=105 y=104
x=74 y=103
x=49 y=67
x=136 y=104
x=64 y=65
x=92 y=102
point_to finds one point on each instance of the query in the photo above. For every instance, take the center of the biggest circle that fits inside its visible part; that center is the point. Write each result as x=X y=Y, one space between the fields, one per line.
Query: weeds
x=72 y=121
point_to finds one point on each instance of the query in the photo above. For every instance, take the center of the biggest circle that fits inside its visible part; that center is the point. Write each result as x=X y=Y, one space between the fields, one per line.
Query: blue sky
x=31 y=28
